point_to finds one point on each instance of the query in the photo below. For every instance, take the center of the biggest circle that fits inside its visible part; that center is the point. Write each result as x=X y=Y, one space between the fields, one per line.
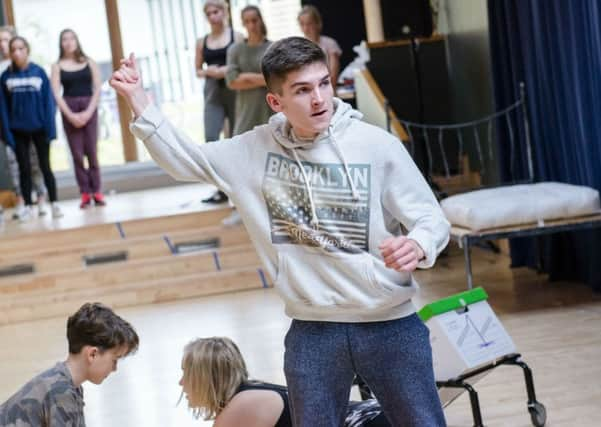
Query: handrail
x=425 y=131
x=392 y=120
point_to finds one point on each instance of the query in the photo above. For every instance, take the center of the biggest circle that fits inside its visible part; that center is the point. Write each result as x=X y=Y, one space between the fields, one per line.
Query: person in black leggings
x=27 y=113
x=216 y=384
x=6 y=33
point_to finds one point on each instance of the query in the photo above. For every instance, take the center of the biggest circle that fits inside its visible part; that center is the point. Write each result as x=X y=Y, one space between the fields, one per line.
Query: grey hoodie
x=317 y=227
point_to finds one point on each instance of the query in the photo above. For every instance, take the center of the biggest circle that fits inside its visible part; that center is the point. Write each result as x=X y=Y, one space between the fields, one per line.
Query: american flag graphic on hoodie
x=343 y=222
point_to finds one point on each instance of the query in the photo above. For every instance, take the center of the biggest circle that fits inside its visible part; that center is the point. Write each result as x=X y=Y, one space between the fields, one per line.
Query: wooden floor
x=141 y=248
x=556 y=327
x=120 y=207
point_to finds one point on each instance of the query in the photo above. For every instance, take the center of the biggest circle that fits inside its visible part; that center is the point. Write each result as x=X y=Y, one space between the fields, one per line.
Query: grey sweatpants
x=220 y=103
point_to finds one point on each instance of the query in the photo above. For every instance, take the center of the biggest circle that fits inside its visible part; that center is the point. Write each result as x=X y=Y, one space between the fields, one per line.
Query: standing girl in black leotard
x=219 y=100
x=76 y=85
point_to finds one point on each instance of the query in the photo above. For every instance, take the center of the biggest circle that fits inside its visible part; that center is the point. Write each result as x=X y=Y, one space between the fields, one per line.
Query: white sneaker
x=42 y=209
x=233 y=219
x=18 y=210
x=56 y=211
x=42 y=205
x=25 y=214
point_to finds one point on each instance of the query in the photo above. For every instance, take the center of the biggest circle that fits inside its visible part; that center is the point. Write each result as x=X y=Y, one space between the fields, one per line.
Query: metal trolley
x=538 y=413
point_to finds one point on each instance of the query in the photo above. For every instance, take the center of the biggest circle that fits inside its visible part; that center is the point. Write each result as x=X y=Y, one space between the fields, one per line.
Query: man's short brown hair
x=287 y=55
x=96 y=325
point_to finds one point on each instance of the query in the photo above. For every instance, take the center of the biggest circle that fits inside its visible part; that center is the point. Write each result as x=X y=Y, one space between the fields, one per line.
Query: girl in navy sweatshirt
x=27 y=114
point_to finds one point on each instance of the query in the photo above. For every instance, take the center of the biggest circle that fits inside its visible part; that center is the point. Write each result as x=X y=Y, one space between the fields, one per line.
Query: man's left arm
x=408 y=197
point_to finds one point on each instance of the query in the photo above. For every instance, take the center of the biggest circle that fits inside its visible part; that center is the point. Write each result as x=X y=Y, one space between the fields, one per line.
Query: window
x=163 y=35
x=40 y=22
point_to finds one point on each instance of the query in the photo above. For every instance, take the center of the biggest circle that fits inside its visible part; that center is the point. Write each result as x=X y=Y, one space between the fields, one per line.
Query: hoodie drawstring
x=355 y=193
x=314 y=219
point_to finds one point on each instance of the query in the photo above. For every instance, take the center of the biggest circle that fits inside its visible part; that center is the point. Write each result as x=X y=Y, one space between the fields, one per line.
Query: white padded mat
x=520 y=204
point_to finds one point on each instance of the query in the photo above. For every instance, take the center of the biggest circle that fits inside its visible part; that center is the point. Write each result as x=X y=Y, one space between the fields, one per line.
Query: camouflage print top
x=48 y=400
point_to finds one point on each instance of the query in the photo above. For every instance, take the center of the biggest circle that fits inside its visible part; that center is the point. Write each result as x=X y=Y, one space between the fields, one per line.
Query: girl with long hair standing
x=244 y=72
x=244 y=76
x=79 y=78
x=37 y=180
x=219 y=100
x=310 y=22
x=27 y=114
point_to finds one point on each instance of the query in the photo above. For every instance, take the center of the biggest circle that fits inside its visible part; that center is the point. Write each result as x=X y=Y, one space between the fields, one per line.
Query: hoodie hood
x=282 y=130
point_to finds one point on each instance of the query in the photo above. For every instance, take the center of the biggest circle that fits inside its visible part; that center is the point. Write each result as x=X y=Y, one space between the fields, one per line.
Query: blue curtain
x=554 y=46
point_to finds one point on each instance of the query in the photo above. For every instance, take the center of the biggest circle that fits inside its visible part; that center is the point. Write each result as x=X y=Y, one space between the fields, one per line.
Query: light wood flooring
x=556 y=327
x=136 y=205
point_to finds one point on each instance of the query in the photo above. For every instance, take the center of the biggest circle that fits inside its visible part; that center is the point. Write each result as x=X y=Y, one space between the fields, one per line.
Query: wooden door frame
x=8 y=11
x=130 y=152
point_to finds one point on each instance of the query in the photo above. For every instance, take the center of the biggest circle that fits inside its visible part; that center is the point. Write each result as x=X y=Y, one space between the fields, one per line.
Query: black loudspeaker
x=414 y=78
x=406 y=18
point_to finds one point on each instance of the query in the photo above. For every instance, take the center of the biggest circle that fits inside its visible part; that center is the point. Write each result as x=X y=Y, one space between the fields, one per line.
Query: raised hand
x=127 y=82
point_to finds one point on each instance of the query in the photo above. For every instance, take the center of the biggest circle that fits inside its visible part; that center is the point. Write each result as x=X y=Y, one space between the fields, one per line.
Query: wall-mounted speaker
x=406 y=18
x=413 y=76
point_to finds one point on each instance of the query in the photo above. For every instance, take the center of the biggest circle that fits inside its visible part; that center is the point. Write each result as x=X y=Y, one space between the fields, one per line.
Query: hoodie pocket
x=321 y=280
x=390 y=282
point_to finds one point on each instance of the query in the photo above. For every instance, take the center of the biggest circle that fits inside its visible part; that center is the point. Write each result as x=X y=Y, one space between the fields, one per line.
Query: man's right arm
x=175 y=152
x=168 y=146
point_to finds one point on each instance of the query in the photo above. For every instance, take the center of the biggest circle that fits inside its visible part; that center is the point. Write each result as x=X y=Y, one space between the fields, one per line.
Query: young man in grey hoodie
x=340 y=216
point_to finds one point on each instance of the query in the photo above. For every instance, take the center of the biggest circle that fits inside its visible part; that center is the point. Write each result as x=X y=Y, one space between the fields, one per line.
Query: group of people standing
x=234 y=87
x=28 y=100
x=234 y=100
